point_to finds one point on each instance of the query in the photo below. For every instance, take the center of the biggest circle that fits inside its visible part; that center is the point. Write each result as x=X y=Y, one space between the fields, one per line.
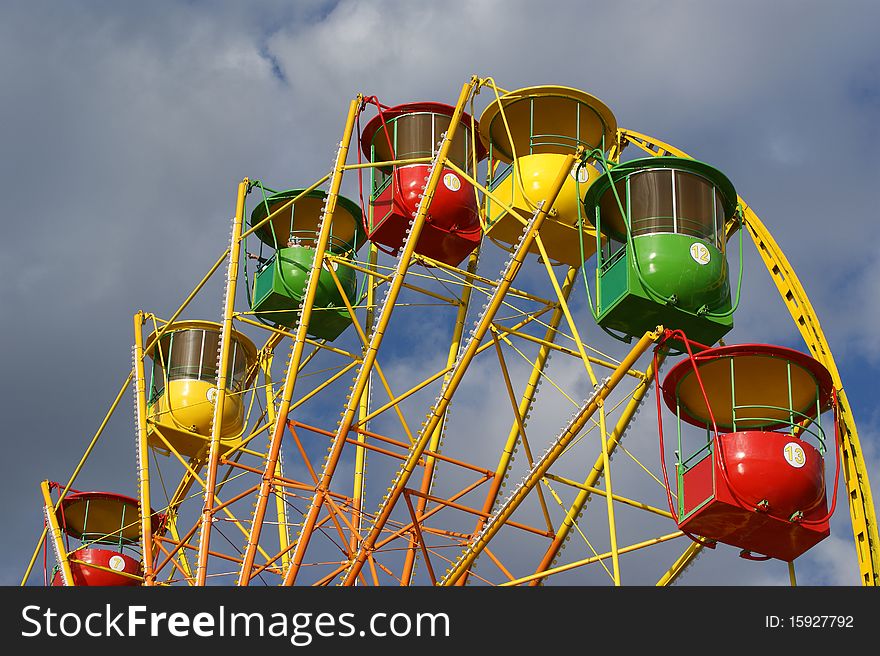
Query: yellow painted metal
x=280 y=503
x=218 y=505
x=595 y=490
x=182 y=562
x=791 y=576
x=226 y=338
x=54 y=533
x=388 y=277
x=531 y=578
x=545 y=119
x=143 y=460
x=190 y=476
x=526 y=185
x=370 y=354
x=609 y=497
x=437 y=375
x=525 y=404
x=861 y=504
x=390 y=162
x=185 y=414
x=537 y=473
x=568 y=351
x=365 y=342
x=597 y=470
x=185 y=409
x=451 y=383
x=532 y=129
x=360 y=455
x=278 y=332
x=563 y=303
x=520 y=424
x=474 y=278
x=298 y=346
x=693 y=550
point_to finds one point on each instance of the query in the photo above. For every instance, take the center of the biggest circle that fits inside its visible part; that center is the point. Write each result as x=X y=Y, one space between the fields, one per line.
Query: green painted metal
x=279 y=288
x=662 y=275
x=625 y=304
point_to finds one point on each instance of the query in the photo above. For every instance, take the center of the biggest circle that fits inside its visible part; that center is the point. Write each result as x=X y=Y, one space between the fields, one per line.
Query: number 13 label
x=795 y=455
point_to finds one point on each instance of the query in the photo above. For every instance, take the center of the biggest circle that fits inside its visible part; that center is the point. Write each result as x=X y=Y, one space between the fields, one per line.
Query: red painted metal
x=452 y=226
x=85 y=574
x=391 y=113
x=758 y=504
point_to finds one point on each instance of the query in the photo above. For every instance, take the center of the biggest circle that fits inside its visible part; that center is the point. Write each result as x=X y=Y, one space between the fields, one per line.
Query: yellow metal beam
x=594 y=559
x=220 y=397
x=520 y=426
x=434 y=444
x=526 y=400
x=595 y=490
x=635 y=373
x=603 y=433
x=596 y=471
x=280 y=503
x=360 y=455
x=694 y=549
x=54 y=531
x=140 y=404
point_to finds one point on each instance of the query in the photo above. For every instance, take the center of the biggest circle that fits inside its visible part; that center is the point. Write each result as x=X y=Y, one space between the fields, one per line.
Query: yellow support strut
x=55 y=533
x=525 y=405
x=220 y=398
x=140 y=403
x=595 y=473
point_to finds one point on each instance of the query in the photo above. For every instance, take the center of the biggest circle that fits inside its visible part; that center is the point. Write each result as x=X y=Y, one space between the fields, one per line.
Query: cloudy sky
x=126 y=127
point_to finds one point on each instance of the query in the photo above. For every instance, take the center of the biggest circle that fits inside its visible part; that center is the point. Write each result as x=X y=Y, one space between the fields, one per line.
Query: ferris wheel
x=425 y=381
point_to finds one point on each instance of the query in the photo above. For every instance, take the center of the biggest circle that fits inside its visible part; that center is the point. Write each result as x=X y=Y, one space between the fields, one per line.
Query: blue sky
x=125 y=128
